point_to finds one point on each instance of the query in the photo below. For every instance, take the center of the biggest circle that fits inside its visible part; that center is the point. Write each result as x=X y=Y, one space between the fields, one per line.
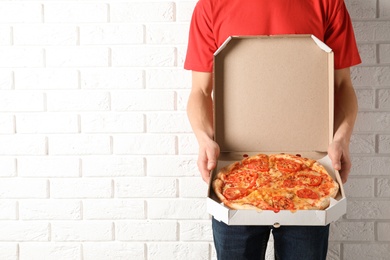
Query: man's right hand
x=207 y=158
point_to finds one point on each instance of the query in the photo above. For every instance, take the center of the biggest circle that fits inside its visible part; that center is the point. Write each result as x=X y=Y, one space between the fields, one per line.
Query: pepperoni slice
x=307 y=194
x=259 y=164
x=290 y=183
x=287 y=166
x=235 y=193
x=243 y=179
x=310 y=179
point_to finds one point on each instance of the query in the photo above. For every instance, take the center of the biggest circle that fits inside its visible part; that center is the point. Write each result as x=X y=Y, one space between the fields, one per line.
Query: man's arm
x=346 y=108
x=200 y=115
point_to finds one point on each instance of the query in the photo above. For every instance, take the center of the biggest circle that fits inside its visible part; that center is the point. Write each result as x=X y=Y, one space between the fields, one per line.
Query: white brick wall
x=97 y=158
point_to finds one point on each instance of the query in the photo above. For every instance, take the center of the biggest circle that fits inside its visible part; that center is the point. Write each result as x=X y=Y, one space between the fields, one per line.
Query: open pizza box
x=274 y=94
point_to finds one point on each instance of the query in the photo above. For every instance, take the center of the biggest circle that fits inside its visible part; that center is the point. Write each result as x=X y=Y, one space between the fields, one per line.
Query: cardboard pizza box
x=274 y=94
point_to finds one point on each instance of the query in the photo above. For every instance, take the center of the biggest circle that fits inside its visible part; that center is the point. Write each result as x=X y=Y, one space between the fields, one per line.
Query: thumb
x=335 y=157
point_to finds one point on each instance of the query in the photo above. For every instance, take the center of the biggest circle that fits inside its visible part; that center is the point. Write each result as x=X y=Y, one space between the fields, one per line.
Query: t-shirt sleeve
x=341 y=38
x=201 y=41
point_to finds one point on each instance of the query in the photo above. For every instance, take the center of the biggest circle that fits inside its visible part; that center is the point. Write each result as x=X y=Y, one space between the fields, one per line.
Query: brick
x=136 y=144
x=146 y=187
x=78 y=100
x=21 y=101
x=49 y=209
x=173 y=33
x=146 y=231
x=20 y=12
x=362 y=144
x=366 y=31
x=48 y=167
x=195 y=230
x=80 y=56
x=7 y=167
x=45 y=34
x=334 y=251
x=111 y=34
x=359 y=187
x=22 y=145
x=374 y=166
x=384 y=143
x=361 y=9
x=53 y=250
x=383 y=187
x=75 y=12
x=384 y=9
x=187 y=144
x=383 y=230
x=7 y=124
x=177 y=209
x=142 y=12
x=79 y=145
x=82 y=231
x=366 y=251
x=168 y=123
x=21 y=57
x=384 y=53
x=113 y=166
x=366 y=98
x=5 y=35
x=145 y=56
x=168 y=79
x=368 y=53
x=352 y=231
x=372 y=121
x=113 y=209
x=383 y=99
x=16 y=188
x=47 y=123
x=181 y=51
x=184 y=10
x=143 y=100
x=24 y=231
x=9 y=251
x=6 y=79
x=112 y=78
x=112 y=123
x=178 y=250
x=178 y=166
x=192 y=187
x=371 y=76
x=80 y=188
x=8 y=211
x=113 y=250
x=34 y=79
x=182 y=100
x=368 y=209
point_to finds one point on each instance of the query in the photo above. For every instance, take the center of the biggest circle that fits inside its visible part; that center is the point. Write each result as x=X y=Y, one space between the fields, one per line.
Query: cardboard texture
x=273 y=94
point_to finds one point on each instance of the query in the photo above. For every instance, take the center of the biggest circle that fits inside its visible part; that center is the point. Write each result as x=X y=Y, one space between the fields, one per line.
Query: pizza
x=275 y=182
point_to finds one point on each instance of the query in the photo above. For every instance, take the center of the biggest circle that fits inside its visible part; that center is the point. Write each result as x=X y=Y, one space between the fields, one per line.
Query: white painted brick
x=372 y=30
x=82 y=230
x=384 y=98
x=366 y=251
x=384 y=53
x=45 y=34
x=334 y=251
x=5 y=35
x=371 y=76
x=8 y=211
x=362 y=144
x=22 y=145
x=168 y=123
x=168 y=79
x=368 y=53
x=21 y=57
x=182 y=99
x=113 y=209
x=146 y=188
x=6 y=79
x=187 y=144
x=78 y=100
x=49 y=251
x=32 y=79
x=371 y=166
x=366 y=98
x=361 y=9
x=192 y=187
x=383 y=187
x=177 y=209
x=359 y=187
x=146 y=231
x=145 y=56
x=7 y=124
x=72 y=12
x=49 y=209
x=156 y=11
x=368 y=209
x=80 y=188
x=19 y=101
x=352 y=231
x=372 y=121
x=47 y=123
x=113 y=250
x=24 y=231
x=173 y=33
x=383 y=230
x=7 y=167
x=79 y=145
x=77 y=56
x=112 y=123
x=143 y=100
x=384 y=143
x=384 y=9
x=48 y=167
x=113 y=166
x=195 y=231
x=111 y=34
x=20 y=12
x=144 y=144
x=112 y=78
x=181 y=55
x=178 y=250
x=8 y=251
x=184 y=10
x=178 y=166
x=23 y=188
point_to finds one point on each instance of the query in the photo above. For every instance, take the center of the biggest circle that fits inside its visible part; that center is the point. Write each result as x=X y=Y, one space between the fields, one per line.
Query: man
x=215 y=20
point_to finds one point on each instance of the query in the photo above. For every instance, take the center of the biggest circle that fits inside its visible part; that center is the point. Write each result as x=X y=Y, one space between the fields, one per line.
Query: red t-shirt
x=213 y=21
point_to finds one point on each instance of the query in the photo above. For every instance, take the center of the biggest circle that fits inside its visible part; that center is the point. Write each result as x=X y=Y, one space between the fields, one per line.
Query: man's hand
x=207 y=158
x=341 y=161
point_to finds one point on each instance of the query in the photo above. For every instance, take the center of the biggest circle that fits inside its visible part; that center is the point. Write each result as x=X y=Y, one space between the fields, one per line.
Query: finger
x=335 y=157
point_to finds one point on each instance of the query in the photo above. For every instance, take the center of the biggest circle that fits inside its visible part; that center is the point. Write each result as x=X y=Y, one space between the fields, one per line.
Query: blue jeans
x=250 y=242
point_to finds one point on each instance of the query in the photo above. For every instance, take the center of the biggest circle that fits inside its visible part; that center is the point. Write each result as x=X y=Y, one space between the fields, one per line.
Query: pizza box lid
x=273 y=94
